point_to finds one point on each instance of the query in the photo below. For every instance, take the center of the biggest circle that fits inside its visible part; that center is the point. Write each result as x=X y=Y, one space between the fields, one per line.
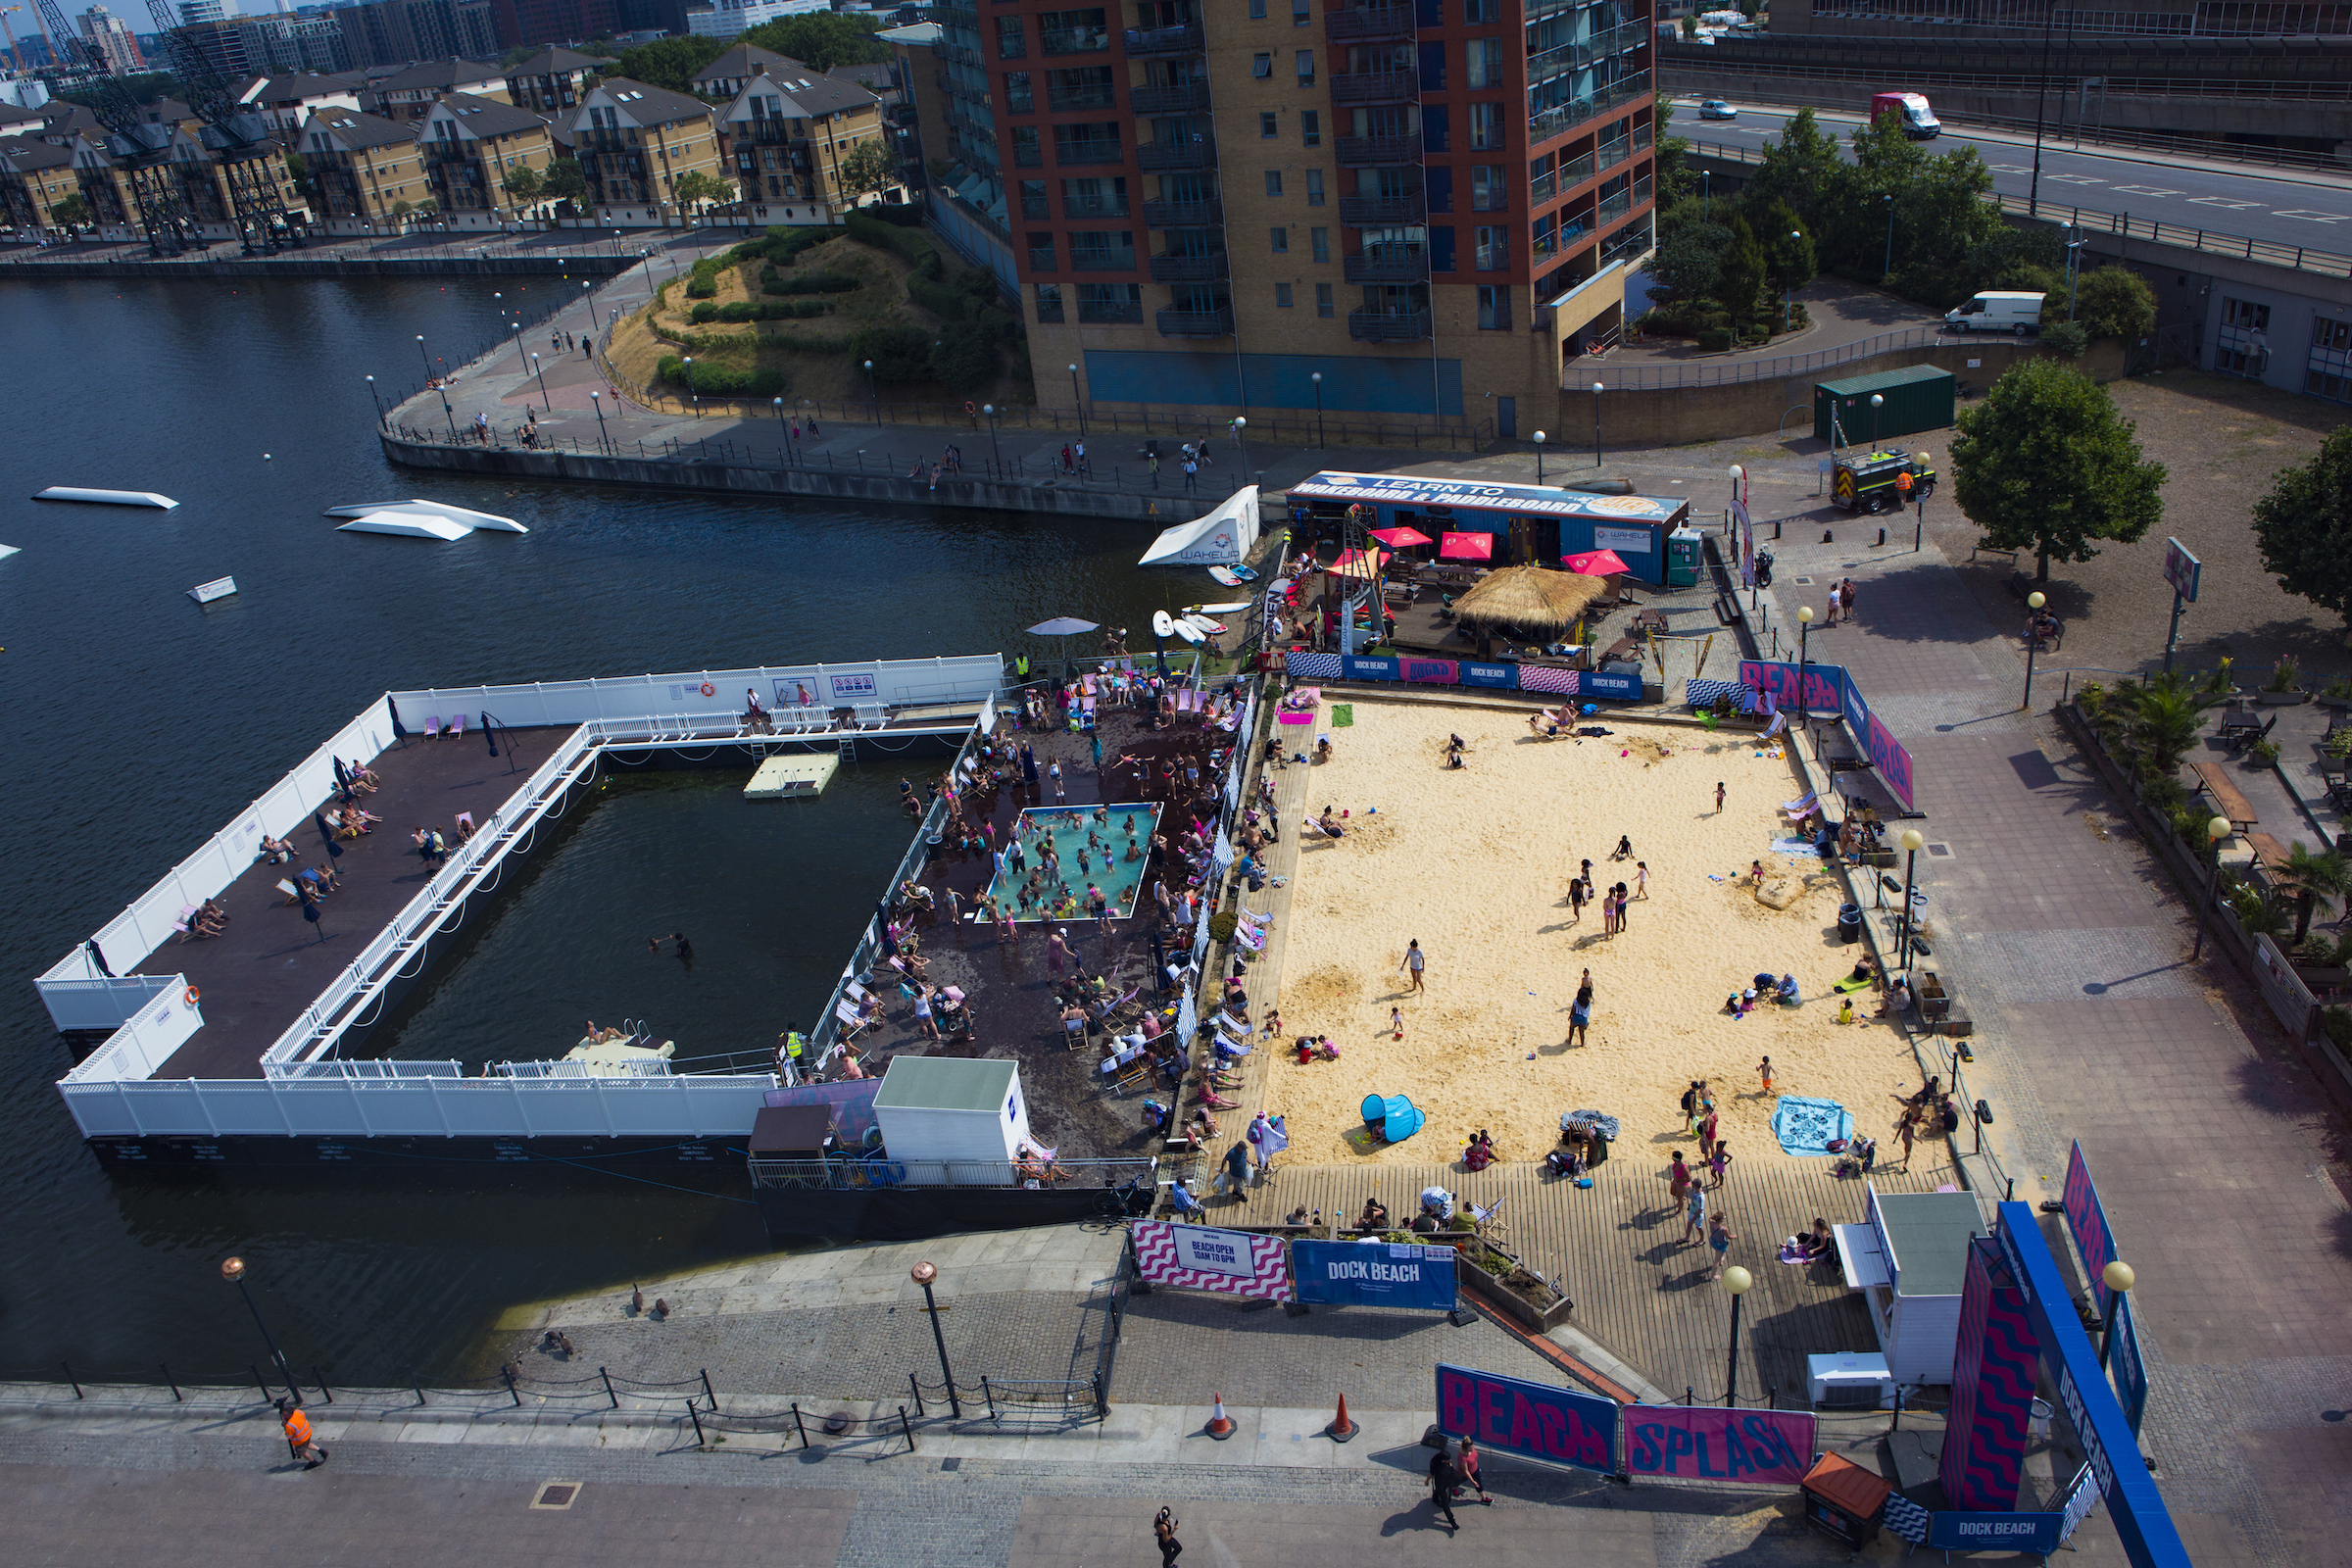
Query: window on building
x=1487 y=193
x=1486 y=126
x=1049 y=302
x=1258 y=9
x=1033 y=198
x=1017 y=97
x=1102 y=250
x=1310 y=127
x=1027 y=153
x=1476 y=13
x=1071 y=33
x=1547 y=236
x=1323 y=303
x=1314 y=187
x=1282 y=240
x=1273 y=181
x=2245 y=313
x=1485 y=61
x=1261 y=65
x=1082 y=88
x=1539 y=179
x=2334 y=335
x=2328 y=373
x=1040 y=251
x=1282 y=295
x=1436 y=128
x=1306 y=67
x=1320 y=241
x=1493 y=307
x=1094 y=197
x=1110 y=302
x=1490 y=251
x=1267 y=125
x=1096 y=142
x=1010 y=43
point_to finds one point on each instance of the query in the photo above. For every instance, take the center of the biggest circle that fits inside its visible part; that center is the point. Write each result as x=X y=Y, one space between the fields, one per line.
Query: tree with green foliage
x=524 y=185
x=565 y=182
x=2045 y=463
x=71 y=211
x=1789 y=259
x=822 y=39
x=2115 y=301
x=1675 y=180
x=1690 y=26
x=2313 y=880
x=1802 y=169
x=2162 y=719
x=694 y=188
x=899 y=352
x=1688 y=258
x=671 y=62
x=1739 y=281
x=867 y=169
x=2303 y=527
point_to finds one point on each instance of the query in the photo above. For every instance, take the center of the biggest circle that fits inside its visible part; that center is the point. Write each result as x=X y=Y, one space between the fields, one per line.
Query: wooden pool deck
x=1616 y=1249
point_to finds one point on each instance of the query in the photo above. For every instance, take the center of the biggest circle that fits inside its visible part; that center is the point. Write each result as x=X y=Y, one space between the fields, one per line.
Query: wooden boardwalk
x=1616 y=1249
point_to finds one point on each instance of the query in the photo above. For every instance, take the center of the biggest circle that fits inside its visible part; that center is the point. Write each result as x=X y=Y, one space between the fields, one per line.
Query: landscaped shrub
x=1713 y=338
x=774 y=282
x=722 y=380
x=899 y=353
x=767 y=311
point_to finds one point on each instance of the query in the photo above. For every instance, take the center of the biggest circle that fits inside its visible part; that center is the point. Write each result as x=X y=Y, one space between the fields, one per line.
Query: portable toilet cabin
x=1919 y=397
x=1683 y=556
x=1909 y=1257
x=952 y=1122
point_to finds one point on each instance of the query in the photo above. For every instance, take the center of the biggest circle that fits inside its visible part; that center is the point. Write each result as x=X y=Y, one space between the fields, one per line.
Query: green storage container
x=1918 y=397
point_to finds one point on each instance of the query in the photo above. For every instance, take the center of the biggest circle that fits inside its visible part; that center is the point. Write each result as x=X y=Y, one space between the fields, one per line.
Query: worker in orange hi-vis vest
x=1902 y=487
x=301 y=1442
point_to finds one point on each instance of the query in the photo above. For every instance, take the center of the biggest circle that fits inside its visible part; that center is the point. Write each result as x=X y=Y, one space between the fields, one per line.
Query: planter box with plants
x=1506 y=1284
x=2282 y=687
x=2337 y=693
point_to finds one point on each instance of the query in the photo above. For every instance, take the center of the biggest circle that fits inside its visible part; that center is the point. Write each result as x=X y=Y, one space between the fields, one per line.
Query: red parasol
x=1355 y=564
x=1467 y=547
x=1596 y=563
x=1400 y=538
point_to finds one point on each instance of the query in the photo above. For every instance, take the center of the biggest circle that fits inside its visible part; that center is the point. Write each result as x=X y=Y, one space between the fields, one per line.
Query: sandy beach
x=1476 y=864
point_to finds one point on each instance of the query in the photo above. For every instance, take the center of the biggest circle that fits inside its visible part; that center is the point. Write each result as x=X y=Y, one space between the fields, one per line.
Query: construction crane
x=141 y=146
x=240 y=141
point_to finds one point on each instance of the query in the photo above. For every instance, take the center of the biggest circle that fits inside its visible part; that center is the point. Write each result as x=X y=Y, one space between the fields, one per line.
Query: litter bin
x=1849 y=923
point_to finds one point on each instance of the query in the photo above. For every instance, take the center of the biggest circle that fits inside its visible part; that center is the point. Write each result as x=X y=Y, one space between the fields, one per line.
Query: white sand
x=1476 y=864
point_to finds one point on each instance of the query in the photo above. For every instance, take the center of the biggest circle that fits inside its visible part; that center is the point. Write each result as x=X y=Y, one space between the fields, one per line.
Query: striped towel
x=1906 y=1519
x=1314 y=667
x=1707 y=692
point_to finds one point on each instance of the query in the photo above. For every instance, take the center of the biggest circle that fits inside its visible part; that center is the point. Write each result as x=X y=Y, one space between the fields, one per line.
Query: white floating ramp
x=204 y=593
x=6 y=550
x=109 y=498
x=407 y=525
x=782 y=777
x=432 y=509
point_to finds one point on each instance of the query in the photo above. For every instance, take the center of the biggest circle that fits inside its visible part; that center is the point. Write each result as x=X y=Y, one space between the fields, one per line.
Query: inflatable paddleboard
x=1201 y=623
x=1188 y=631
x=1226 y=577
x=1162 y=624
x=1233 y=609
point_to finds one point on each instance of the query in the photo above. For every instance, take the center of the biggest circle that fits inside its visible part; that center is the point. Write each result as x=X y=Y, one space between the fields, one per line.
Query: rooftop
x=442 y=75
x=558 y=61
x=486 y=117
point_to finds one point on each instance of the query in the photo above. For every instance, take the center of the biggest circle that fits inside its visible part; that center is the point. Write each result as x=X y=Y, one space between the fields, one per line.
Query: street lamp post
x=1707 y=180
x=540 y=370
x=424 y=357
x=1912 y=841
x=517 y=326
x=990 y=408
x=596 y=399
x=1789 y=291
x=1316 y=377
x=1596 y=424
x=2216 y=830
x=692 y=396
x=2033 y=604
x=1890 y=263
x=923 y=1274
x=1738 y=1281
x=1804 y=634
x=234 y=1270
x=1877 y=402
x=1538 y=456
x=1076 y=401
x=379 y=398
x=2118 y=1280
x=1240 y=438
x=873 y=393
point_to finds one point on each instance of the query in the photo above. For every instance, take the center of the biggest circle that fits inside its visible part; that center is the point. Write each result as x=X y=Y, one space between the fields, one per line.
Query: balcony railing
x=1093 y=207
x=1362 y=211
x=1110 y=261
x=1188 y=269
x=1069 y=153
x=1610 y=154
x=1196 y=323
x=1375 y=87
x=1159 y=43
x=1376 y=151
x=1614 y=208
x=1384 y=326
x=1073 y=40
x=1041 y=258
x=1035 y=210
x=1176 y=100
x=1183 y=214
x=1201 y=154
x=1110 y=311
x=1552 y=123
x=1368 y=24
x=1388 y=267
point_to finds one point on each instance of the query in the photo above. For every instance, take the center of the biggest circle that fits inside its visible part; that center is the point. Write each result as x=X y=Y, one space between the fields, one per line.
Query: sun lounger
x=432 y=726
x=456 y=724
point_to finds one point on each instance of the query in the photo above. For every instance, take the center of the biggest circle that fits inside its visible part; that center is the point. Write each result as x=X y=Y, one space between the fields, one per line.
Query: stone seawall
x=583 y=265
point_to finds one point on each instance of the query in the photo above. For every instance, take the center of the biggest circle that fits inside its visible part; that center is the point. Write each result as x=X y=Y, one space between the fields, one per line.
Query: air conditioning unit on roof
x=1852 y=1381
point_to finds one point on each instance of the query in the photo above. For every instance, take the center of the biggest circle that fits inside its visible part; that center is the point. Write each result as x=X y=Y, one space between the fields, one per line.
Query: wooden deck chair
x=286 y=886
x=185 y=925
x=456 y=724
x=847 y=1016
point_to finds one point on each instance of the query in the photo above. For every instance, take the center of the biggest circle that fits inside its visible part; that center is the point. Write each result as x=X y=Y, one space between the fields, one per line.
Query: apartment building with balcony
x=550 y=81
x=1420 y=202
x=363 y=174
x=783 y=139
x=410 y=94
x=633 y=144
x=470 y=145
x=34 y=177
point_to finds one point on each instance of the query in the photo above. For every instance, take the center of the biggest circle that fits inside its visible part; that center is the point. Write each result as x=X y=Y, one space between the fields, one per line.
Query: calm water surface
x=139 y=722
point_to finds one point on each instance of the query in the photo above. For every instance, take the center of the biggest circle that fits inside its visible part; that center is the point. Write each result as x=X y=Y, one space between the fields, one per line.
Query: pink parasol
x=1467 y=547
x=1596 y=563
x=1355 y=564
x=1400 y=538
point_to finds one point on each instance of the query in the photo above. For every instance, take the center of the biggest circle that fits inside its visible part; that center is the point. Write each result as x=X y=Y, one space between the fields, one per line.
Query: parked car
x=1717 y=109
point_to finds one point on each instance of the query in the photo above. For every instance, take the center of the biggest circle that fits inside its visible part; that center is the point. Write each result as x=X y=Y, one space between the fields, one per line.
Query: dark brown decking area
x=270 y=963
x=1009 y=985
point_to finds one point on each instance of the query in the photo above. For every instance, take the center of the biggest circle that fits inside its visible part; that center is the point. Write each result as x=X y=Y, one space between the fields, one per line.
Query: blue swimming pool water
x=1068 y=826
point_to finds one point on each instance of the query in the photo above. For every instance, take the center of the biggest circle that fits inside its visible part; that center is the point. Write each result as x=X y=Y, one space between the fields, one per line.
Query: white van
x=1999 y=313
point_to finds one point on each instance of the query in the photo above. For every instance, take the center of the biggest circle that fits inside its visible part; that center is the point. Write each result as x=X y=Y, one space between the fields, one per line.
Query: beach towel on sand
x=1805 y=1126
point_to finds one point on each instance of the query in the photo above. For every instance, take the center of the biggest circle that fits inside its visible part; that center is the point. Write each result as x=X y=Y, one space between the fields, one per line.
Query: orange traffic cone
x=1341 y=1429
x=1220 y=1425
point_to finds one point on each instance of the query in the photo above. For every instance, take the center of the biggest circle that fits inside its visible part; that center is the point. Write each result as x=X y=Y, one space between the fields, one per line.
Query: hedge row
x=772 y=281
x=745 y=310
x=722 y=381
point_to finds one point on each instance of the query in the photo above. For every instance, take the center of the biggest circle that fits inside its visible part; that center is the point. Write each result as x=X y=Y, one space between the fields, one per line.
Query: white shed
x=933 y=1109
x=1909 y=1257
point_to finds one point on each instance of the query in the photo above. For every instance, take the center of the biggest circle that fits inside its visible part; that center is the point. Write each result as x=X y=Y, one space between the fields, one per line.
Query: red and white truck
x=1911 y=112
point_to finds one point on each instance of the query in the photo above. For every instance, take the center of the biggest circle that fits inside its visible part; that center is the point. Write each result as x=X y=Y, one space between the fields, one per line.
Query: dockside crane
x=143 y=147
x=240 y=139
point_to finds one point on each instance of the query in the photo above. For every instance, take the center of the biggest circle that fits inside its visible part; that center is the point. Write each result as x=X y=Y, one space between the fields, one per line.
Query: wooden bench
x=2225 y=797
x=2268 y=851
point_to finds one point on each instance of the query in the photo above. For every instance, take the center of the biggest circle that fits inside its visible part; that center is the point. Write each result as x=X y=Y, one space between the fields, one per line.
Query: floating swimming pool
x=1092 y=842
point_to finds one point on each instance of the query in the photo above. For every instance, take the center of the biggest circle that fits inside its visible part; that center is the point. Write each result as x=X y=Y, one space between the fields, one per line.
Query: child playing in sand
x=1846 y=1010
x=1396 y=1024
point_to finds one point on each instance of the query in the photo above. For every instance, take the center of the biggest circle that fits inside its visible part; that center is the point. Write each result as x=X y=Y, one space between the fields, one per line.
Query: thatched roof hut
x=1530 y=604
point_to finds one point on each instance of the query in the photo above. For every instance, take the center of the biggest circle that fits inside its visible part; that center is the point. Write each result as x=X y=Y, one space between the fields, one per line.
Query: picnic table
x=2227 y=800
x=2243 y=725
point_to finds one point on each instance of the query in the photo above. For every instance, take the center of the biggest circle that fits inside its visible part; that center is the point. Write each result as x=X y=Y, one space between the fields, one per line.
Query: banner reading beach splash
x=1510 y=1416
x=1200 y=1259
x=1750 y=1447
x=1372 y=1274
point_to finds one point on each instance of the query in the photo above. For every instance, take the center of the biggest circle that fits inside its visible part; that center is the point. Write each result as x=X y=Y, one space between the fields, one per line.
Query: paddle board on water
x=1163 y=624
x=1226 y=577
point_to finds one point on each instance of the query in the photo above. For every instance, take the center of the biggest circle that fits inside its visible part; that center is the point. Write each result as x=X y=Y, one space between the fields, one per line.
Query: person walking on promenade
x=1690 y=1104
x=1467 y=1464
x=1163 y=1532
x=1719 y=1164
x=1153 y=462
x=1413 y=962
x=1706 y=1134
x=1677 y=1180
x=1192 y=475
x=1720 y=1237
x=1443 y=1479
x=1695 y=1212
x=300 y=1440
